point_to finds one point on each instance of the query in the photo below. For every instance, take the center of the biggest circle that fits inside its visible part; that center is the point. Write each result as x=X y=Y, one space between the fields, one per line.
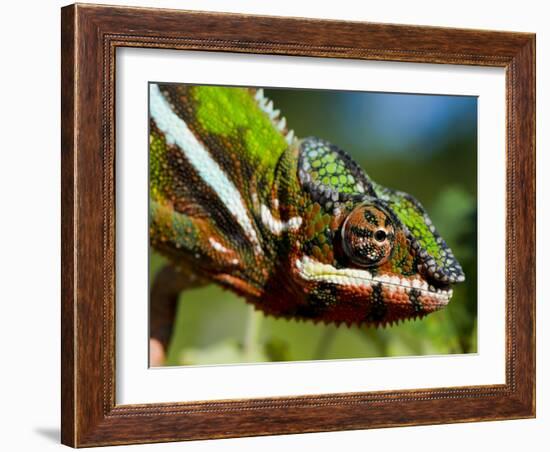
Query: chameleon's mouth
x=313 y=270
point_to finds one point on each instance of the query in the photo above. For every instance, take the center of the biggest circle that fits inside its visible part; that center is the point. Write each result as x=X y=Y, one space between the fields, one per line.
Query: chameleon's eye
x=368 y=234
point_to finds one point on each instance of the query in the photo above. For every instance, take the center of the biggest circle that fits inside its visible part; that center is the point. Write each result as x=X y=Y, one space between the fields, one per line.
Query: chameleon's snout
x=441 y=271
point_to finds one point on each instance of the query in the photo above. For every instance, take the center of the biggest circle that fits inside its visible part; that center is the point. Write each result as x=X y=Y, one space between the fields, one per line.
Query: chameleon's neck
x=291 y=198
x=280 y=206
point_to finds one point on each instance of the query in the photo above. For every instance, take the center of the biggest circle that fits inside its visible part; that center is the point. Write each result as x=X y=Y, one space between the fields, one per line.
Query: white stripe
x=217 y=245
x=278 y=226
x=176 y=132
x=313 y=270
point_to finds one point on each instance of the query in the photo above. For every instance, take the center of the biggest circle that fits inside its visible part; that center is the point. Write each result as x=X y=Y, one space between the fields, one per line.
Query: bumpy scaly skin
x=294 y=226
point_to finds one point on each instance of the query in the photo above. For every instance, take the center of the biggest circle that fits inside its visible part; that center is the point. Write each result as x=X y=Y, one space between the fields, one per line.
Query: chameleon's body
x=294 y=226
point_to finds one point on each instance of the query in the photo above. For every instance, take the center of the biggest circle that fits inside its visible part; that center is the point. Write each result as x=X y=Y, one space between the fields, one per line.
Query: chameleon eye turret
x=368 y=235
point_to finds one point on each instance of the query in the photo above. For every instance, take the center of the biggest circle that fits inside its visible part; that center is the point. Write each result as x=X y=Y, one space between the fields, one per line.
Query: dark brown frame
x=90 y=35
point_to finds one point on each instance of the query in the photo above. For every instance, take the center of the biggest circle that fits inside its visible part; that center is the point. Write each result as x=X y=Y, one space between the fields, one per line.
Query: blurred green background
x=425 y=145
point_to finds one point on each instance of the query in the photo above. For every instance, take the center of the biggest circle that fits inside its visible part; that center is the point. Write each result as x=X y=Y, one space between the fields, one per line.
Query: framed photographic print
x=282 y=225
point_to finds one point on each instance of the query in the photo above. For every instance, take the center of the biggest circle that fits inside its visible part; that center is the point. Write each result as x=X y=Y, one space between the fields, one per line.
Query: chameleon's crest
x=330 y=174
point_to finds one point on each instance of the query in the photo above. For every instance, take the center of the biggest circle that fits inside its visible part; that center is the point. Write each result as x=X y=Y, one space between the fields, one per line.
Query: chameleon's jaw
x=395 y=298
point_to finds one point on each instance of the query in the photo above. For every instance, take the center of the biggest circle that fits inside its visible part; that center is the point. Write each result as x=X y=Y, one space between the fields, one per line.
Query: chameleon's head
x=386 y=261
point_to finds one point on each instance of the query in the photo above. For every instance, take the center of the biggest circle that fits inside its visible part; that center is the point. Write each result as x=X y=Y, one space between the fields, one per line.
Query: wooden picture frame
x=90 y=36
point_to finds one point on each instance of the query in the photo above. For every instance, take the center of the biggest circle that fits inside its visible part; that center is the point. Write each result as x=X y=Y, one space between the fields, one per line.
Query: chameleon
x=293 y=225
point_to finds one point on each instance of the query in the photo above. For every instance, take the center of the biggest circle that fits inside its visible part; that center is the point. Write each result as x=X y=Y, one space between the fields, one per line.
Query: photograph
x=292 y=224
